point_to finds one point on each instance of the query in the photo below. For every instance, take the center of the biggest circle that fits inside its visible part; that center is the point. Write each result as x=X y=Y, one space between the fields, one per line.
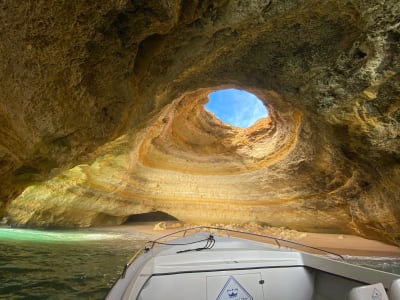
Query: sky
x=236 y=107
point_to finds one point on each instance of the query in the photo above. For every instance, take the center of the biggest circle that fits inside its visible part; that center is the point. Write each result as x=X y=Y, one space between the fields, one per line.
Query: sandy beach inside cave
x=338 y=243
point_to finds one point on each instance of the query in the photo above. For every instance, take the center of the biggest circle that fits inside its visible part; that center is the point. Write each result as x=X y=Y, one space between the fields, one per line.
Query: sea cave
x=102 y=114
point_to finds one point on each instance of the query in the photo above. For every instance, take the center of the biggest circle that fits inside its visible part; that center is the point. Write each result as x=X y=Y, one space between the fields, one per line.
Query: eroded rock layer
x=102 y=113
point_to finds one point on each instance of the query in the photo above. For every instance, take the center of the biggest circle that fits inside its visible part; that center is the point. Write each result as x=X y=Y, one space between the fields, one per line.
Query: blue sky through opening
x=236 y=107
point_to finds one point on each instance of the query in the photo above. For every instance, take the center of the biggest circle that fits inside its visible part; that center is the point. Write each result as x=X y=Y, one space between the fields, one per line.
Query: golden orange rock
x=102 y=114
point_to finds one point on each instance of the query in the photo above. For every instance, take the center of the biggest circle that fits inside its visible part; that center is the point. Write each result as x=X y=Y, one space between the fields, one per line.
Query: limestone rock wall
x=105 y=100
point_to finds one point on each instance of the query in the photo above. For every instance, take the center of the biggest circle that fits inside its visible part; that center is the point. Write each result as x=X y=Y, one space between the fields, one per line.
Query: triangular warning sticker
x=376 y=294
x=233 y=290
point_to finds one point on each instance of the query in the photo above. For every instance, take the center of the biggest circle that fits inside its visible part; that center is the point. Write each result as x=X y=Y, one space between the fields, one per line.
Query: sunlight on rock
x=102 y=114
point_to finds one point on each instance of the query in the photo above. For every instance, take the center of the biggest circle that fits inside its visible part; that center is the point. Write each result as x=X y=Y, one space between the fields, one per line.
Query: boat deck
x=206 y=265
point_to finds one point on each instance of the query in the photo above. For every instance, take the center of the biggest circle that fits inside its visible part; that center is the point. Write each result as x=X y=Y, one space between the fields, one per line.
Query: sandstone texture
x=102 y=114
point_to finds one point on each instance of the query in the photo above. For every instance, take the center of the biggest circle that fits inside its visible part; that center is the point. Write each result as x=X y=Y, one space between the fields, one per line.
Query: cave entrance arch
x=236 y=107
x=154 y=216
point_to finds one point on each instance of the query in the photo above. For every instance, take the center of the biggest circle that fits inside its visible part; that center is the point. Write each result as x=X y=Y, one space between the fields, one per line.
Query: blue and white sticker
x=233 y=290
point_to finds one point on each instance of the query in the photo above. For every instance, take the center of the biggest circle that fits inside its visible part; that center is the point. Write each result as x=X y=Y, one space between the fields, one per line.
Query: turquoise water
x=54 y=236
x=81 y=264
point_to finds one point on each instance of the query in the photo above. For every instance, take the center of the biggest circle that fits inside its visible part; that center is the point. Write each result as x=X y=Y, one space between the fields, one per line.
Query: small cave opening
x=155 y=216
x=236 y=107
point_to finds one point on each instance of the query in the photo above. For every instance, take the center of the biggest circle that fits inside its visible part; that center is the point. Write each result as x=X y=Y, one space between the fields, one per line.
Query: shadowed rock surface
x=102 y=113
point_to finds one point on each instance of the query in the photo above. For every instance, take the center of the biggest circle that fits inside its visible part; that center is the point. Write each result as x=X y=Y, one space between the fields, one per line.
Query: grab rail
x=277 y=240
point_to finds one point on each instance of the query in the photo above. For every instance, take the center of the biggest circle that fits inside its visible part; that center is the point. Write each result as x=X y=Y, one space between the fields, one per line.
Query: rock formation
x=102 y=113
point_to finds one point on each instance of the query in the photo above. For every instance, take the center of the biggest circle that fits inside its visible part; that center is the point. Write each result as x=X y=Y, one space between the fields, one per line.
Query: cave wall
x=106 y=100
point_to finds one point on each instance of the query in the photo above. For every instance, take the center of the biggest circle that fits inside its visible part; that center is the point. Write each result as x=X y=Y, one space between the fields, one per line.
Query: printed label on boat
x=233 y=290
x=376 y=294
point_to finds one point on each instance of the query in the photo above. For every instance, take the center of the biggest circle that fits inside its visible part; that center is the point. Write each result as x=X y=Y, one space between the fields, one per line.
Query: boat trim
x=253 y=268
x=226 y=269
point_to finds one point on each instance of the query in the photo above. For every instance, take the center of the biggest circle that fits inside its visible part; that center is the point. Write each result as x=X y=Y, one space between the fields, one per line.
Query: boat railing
x=278 y=241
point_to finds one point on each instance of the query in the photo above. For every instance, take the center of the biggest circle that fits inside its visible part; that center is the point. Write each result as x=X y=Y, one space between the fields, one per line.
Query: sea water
x=386 y=264
x=82 y=264
x=37 y=264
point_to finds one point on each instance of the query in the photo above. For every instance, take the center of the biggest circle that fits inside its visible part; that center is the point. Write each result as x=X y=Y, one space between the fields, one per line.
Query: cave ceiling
x=102 y=113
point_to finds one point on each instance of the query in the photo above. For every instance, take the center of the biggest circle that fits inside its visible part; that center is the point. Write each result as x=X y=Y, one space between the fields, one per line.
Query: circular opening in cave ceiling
x=236 y=107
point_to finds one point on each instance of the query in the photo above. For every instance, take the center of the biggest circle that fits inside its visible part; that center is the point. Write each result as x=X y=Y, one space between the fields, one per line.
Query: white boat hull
x=241 y=269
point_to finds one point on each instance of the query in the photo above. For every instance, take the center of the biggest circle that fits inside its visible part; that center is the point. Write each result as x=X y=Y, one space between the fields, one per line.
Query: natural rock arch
x=131 y=77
